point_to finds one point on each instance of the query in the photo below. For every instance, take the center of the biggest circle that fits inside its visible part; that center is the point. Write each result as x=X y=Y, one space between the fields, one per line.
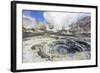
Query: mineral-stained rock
x=37 y=46
x=60 y=48
x=33 y=47
x=69 y=46
x=85 y=45
x=42 y=54
x=40 y=51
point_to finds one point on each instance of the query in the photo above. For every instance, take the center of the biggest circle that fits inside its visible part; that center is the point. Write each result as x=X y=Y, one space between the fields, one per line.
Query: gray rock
x=68 y=46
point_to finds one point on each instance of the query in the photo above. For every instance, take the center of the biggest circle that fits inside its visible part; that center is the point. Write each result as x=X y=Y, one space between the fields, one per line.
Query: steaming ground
x=36 y=49
x=65 y=36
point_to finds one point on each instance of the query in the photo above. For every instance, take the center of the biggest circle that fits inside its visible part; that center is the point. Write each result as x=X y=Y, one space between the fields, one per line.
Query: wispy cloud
x=29 y=22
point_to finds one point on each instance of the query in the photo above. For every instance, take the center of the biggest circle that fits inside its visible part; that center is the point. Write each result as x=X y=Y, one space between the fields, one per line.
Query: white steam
x=60 y=20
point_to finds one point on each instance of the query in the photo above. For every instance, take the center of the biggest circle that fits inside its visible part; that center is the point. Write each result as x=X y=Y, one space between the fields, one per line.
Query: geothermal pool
x=55 y=48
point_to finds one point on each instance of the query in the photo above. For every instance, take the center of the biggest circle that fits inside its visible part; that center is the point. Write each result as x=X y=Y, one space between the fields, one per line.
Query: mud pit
x=55 y=48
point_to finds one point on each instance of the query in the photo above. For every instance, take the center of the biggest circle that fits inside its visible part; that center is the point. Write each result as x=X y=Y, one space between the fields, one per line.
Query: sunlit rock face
x=83 y=25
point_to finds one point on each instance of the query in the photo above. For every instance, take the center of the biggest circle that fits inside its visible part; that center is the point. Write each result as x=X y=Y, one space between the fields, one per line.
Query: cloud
x=29 y=22
x=61 y=20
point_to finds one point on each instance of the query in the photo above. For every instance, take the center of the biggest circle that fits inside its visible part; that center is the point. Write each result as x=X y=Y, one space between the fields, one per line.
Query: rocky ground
x=51 y=47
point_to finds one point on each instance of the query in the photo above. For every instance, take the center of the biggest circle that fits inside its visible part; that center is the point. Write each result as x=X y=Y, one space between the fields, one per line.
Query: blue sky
x=38 y=15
